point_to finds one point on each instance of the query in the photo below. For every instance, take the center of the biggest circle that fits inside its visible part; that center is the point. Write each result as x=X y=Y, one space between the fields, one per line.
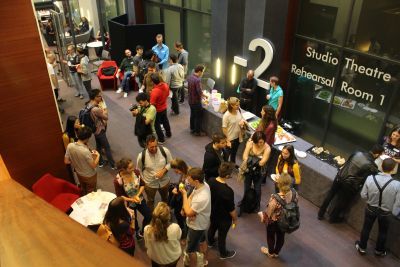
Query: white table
x=95 y=44
x=91 y=208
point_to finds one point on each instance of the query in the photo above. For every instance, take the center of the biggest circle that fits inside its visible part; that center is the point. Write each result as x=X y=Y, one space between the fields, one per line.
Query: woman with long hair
x=128 y=183
x=275 y=237
x=268 y=124
x=232 y=125
x=120 y=221
x=162 y=238
x=287 y=163
x=71 y=126
x=259 y=151
x=391 y=145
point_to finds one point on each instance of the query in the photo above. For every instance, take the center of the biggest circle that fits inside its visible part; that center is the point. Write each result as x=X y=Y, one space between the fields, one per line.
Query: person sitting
x=83 y=26
x=162 y=238
x=121 y=223
x=128 y=183
x=391 y=146
x=126 y=66
x=287 y=163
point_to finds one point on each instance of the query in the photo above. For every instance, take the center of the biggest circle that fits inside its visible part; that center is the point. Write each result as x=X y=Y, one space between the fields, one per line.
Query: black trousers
x=88 y=86
x=196 y=115
x=181 y=94
x=174 y=100
x=146 y=213
x=232 y=151
x=371 y=214
x=275 y=238
x=102 y=142
x=161 y=118
x=344 y=196
x=222 y=226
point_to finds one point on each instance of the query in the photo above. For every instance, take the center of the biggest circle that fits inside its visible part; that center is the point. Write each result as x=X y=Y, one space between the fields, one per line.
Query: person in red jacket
x=158 y=98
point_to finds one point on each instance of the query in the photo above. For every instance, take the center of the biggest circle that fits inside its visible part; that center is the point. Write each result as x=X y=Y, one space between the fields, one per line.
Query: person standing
x=383 y=198
x=162 y=238
x=161 y=51
x=197 y=209
x=84 y=70
x=348 y=181
x=174 y=76
x=195 y=95
x=137 y=60
x=100 y=116
x=148 y=84
x=183 y=59
x=223 y=212
x=154 y=163
x=72 y=61
x=391 y=146
x=275 y=96
x=158 y=98
x=145 y=118
x=248 y=87
x=287 y=163
x=126 y=67
x=214 y=156
x=83 y=160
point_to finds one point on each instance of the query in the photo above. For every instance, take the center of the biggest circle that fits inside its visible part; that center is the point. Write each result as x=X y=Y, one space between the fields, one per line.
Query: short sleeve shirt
x=200 y=202
x=81 y=159
x=231 y=123
x=275 y=94
x=150 y=114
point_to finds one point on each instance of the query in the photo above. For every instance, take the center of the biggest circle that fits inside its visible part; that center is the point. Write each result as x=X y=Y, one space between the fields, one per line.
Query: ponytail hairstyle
x=160 y=222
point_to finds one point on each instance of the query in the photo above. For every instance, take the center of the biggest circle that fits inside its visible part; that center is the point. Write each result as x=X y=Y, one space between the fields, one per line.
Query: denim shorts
x=194 y=238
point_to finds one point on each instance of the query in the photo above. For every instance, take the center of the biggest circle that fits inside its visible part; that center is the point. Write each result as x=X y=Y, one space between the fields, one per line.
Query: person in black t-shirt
x=215 y=154
x=223 y=213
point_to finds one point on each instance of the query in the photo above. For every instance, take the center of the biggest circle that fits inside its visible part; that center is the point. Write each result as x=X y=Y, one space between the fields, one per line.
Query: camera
x=133 y=107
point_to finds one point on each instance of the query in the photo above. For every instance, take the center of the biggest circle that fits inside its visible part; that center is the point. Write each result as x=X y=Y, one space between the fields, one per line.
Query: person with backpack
x=145 y=115
x=281 y=216
x=95 y=116
x=382 y=194
x=154 y=163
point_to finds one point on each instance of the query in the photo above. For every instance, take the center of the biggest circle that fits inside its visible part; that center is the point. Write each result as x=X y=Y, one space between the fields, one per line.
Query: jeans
x=88 y=86
x=344 y=197
x=233 y=150
x=125 y=81
x=256 y=181
x=161 y=118
x=194 y=239
x=102 y=142
x=146 y=213
x=275 y=238
x=174 y=100
x=371 y=214
x=222 y=226
x=76 y=78
x=196 y=114
x=151 y=193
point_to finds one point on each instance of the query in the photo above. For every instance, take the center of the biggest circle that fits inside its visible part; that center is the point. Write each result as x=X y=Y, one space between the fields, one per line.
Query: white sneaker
x=119 y=90
x=125 y=95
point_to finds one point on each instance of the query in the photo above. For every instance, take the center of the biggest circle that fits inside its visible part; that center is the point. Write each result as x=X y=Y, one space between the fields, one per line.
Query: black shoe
x=211 y=244
x=380 y=253
x=320 y=217
x=61 y=100
x=229 y=254
x=101 y=165
x=113 y=167
x=359 y=249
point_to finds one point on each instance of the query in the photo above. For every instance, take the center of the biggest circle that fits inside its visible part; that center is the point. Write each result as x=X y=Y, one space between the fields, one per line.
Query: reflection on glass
x=172 y=28
x=173 y=2
x=312 y=79
x=198 y=36
x=324 y=20
x=200 y=5
x=153 y=14
x=364 y=91
x=372 y=35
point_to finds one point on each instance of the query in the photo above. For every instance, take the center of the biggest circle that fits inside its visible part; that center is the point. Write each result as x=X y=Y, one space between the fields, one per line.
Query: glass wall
x=188 y=21
x=111 y=9
x=344 y=83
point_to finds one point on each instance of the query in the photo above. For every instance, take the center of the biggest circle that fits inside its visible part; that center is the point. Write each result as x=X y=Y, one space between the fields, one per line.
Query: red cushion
x=64 y=201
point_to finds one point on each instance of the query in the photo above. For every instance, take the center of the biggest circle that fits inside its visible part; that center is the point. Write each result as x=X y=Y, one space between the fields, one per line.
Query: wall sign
x=269 y=54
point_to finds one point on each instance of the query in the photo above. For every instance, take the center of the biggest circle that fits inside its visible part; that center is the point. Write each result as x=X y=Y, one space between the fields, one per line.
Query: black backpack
x=289 y=221
x=141 y=128
x=108 y=71
x=249 y=202
x=86 y=118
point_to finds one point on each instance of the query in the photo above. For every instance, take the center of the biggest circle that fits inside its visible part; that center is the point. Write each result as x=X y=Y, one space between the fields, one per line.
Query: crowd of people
x=202 y=203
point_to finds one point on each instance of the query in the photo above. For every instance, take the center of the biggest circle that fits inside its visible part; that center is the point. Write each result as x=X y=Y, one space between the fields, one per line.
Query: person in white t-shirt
x=197 y=209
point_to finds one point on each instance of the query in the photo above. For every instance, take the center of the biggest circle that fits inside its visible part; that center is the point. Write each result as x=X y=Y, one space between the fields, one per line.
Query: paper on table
x=247 y=115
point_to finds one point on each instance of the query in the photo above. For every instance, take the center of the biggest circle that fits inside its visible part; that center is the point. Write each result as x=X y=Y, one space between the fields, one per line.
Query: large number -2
x=269 y=53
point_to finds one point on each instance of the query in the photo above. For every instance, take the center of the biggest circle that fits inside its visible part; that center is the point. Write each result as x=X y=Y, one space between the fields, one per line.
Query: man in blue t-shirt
x=162 y=52
x=275 y=96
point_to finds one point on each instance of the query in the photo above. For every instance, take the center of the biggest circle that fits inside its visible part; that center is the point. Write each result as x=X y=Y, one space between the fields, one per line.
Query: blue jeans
x=125 y=81
x=256 y=181
x=146 y=213
x=102 y=142
x=77 y=80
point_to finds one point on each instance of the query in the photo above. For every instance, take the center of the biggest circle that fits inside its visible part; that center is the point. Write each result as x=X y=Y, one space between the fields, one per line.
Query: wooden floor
x=316 y=243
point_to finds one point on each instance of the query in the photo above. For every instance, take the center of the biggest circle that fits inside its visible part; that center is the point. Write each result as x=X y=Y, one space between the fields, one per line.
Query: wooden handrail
x=34 y=233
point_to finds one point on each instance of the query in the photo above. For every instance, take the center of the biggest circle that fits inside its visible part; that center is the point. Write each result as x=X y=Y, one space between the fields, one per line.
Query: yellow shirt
x=296 y=170
x=67 y=140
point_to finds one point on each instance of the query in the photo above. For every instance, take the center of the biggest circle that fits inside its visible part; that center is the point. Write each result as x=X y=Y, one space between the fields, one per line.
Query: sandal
x=265 y=251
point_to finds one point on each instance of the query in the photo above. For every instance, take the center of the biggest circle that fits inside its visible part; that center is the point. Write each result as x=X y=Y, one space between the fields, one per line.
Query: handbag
x=104 y=232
